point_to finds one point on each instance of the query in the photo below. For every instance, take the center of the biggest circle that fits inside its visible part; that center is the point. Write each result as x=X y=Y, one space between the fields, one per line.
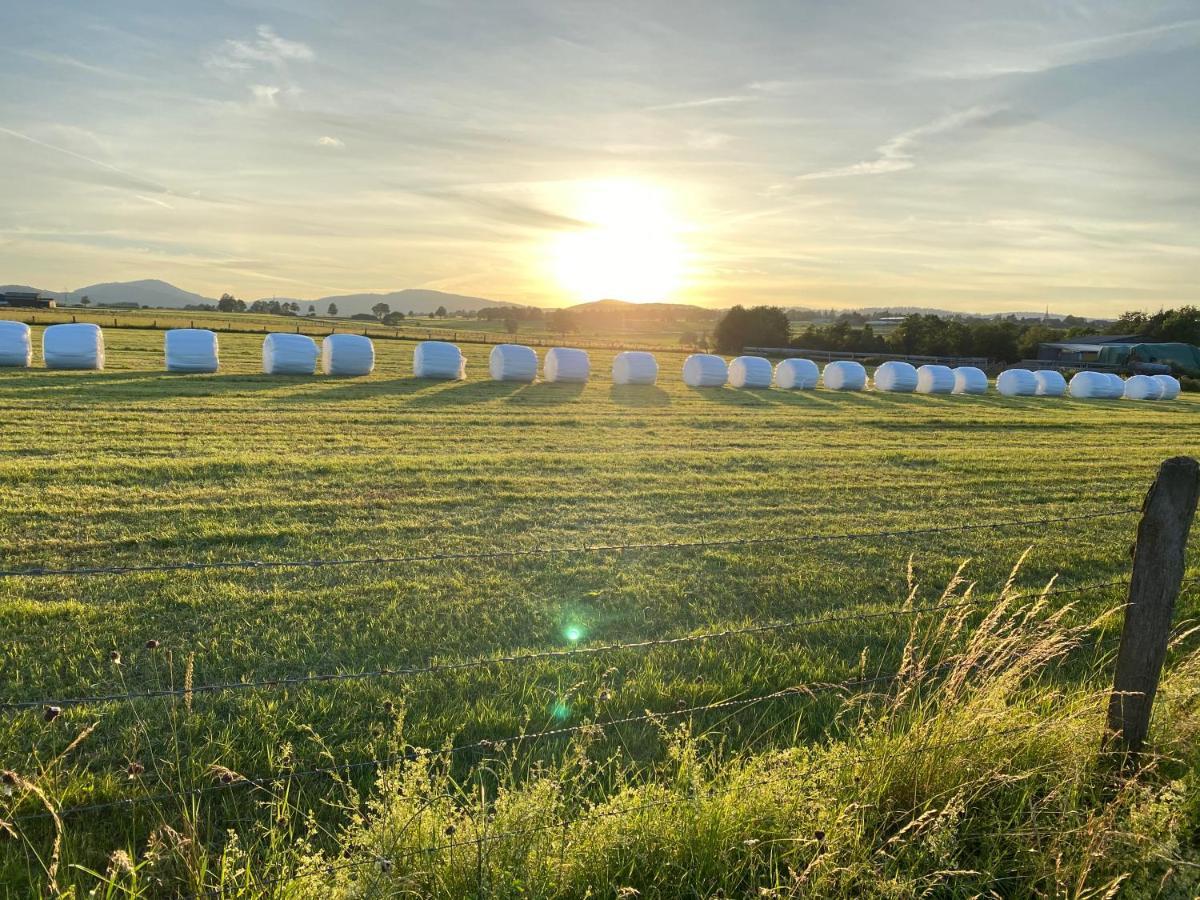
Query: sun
x=629 y=245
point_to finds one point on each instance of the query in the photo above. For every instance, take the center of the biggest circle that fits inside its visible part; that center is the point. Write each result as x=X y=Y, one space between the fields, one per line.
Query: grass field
x=132 y=466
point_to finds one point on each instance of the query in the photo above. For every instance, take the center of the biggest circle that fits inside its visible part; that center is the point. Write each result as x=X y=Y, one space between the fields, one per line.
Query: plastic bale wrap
x=704 y=370
x=289 y=354
x=1170 y=385
x=1116 y=386
x=347 y=354
x=970 y=380
x=513 y=362
x=1050 y=383
x=896 y=377
x=935 y=380
x=844 y=375
x=1090 y=386
x=74 y=346
x=797 y=374
x=16 y=345
x=1143 y=387
x=191 y=350
x=750 y=372
x=566 y=365
x=440 y=360
x=634 y=367
x=1016 y=383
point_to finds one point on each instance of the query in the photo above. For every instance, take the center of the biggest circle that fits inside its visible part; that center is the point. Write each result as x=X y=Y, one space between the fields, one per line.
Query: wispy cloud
x=267 y=48
x=897 y=154
x=704 y=102
x=61 y=59
x=327 y=140
x=265 y=94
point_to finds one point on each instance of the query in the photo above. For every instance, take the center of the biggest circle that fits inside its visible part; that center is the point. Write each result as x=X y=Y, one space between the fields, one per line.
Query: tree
x=381 y=310
x=511 y=325
x=393 y=318
x=230 y=303
x=312 y=310
x=562 y=320
x=759 y=326
x=85 y=300
x=333 y=310
x=440 y=312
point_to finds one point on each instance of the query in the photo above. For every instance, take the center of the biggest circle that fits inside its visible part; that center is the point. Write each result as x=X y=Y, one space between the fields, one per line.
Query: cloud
x=326 y=140
x=704 y=102
x=896 y=154
x=61 y=59
x=268 y=48
x=265 y=94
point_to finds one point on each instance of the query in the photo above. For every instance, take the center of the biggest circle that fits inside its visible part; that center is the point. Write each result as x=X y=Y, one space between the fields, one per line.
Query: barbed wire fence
x=225 y=780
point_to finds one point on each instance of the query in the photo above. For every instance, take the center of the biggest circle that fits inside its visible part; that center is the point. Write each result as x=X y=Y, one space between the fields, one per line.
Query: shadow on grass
x=547 y=393
x=638 y=395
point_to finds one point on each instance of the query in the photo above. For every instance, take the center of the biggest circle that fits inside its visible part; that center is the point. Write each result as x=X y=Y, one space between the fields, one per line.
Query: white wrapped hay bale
x=289 y=354
x=1143 y=387
x=970 y=380
x=513 y=362
x=565 y=364
x=16 y=346
x=439 y=359
x=797 y=374
x=1116 y=386
x=1090 y=386
x=935 y=380
x=347 y=354
x=190 y=350
x=74 y=346
x=896 y=377
x=844 y=375
x=750 y=372
x=634 y=367
x=1017 y=383
x=1170 y=385
x=1050 y=383
x=704 y=370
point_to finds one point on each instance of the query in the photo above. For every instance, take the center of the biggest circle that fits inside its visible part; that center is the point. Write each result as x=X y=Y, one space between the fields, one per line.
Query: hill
x=417 y=300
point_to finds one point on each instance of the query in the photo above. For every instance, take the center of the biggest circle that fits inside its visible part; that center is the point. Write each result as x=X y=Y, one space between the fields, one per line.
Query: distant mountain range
x=161 y=295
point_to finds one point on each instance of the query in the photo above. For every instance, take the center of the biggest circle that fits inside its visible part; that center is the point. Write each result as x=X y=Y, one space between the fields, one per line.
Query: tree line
x=1005 y=339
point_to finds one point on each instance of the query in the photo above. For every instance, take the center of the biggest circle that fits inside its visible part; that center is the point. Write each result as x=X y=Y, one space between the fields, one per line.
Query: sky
x=998 y=155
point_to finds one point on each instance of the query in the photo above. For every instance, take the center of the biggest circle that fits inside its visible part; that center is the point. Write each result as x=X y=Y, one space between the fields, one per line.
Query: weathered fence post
x=1158 y=564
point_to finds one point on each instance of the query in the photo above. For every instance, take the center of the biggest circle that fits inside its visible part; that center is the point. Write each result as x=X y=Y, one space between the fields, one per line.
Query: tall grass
x=974 y=774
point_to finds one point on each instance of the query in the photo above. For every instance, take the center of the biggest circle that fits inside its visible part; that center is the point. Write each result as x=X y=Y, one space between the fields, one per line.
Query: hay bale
x=1143 y=387
x=78 y=345
x=634 y=367
x=190 y=350
x=970 y=380
x=935 y=380
x=513 y=362
x=896 y=377
x=1090 y=386
x=1170 y=384
x=568 y=365
x=797 y=374
x=750 y=372
x=347 y=354
x=1017 y=383
x=16 y=345
x=1050 y=383
x=704 y=370
x=289 y=354
x=440 y=360
x=844 y=375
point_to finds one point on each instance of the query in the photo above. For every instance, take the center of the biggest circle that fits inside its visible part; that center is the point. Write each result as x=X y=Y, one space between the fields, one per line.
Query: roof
x=1108 y=339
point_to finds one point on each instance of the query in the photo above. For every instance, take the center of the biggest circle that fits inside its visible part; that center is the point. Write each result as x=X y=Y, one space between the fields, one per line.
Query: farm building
x=27 y=299
x=1128 y=351
x=1083 y=349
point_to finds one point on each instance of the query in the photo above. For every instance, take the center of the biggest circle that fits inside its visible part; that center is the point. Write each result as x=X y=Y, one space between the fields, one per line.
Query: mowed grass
x=132 y=466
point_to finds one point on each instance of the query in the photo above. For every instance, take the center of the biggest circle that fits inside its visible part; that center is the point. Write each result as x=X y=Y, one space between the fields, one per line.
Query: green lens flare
x=574 y=634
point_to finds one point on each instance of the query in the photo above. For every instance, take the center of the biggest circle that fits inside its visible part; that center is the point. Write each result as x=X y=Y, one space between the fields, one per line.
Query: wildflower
x=152 y=644
x=605 y=696
x=52 y=713
x=120 y=862
x=115 y=656
x=8 y=781
x=134 y=769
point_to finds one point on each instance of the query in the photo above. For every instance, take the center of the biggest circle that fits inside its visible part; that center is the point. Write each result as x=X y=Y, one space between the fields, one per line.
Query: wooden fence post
x=1158 y=565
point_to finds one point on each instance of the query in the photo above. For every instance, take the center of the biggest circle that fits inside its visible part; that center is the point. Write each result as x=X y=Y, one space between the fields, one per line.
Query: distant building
x=27 y=299
x=1085 y=348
